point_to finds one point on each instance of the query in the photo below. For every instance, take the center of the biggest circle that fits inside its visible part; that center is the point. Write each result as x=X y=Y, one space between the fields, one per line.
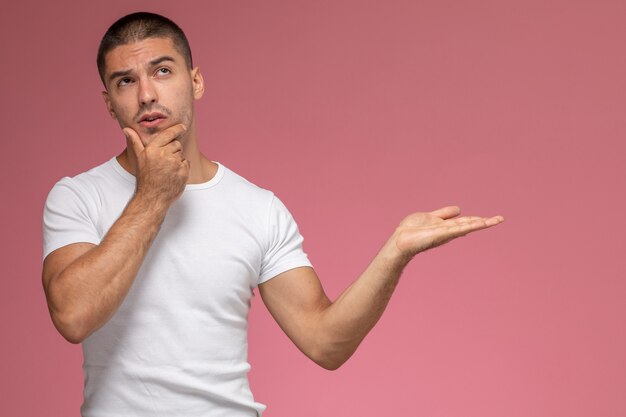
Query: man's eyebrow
x=160 y=59
x=116 y=74
x=152 y=63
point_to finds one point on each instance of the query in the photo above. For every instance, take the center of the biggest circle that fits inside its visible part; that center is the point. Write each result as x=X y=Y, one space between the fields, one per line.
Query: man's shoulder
x=236 y=183
x=105 y=171
x=110 y=170
x=105 y=176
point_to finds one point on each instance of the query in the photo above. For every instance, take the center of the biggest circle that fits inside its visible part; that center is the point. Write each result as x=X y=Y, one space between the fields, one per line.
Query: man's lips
x=151 y=119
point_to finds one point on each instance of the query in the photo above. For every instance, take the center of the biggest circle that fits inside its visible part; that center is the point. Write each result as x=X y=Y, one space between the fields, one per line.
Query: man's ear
x=107 y=101
x=198 y=83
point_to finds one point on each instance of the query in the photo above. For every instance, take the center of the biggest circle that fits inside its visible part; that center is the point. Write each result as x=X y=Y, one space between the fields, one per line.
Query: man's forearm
x=345 y=323
x=86 y=294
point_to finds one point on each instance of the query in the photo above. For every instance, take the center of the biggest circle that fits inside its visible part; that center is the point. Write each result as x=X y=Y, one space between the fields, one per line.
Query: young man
x=150 y=259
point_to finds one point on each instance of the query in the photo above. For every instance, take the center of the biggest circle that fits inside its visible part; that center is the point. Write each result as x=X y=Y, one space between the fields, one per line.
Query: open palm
x=421 y=231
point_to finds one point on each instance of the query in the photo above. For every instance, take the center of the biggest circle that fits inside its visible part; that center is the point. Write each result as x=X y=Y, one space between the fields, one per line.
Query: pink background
x=356 y=113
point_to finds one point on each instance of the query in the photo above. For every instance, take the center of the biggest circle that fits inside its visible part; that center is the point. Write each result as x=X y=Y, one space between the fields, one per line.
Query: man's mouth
x=151 y=119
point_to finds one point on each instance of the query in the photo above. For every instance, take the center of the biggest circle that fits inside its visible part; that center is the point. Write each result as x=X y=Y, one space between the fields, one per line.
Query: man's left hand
x=421 y=231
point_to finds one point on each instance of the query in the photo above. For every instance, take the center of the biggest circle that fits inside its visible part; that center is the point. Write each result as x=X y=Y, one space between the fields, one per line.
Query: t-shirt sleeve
x=284 y=249
x=67 y=218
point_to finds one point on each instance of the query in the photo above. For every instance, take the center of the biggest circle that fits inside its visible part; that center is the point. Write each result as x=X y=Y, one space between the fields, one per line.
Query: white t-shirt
x=177 y=346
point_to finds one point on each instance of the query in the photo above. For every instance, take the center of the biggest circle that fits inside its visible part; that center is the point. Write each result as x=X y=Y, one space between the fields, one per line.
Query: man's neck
x=202 y=169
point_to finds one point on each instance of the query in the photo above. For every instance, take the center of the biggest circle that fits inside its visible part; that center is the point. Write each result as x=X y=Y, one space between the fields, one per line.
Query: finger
x=447 y=212
x=463 y=220
x=174 y=146
x=468 y=219
x=463 y=229
x=133 y=141
x=492 y=221
x=169 y=134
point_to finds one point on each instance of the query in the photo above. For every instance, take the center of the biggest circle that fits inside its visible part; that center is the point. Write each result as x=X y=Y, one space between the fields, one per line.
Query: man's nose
x=147 y=92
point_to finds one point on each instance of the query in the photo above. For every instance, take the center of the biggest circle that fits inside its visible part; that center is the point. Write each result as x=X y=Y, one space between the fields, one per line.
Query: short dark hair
x=139 y=26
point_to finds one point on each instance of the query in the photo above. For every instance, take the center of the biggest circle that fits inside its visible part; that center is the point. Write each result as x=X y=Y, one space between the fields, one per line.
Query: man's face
x=150 y=87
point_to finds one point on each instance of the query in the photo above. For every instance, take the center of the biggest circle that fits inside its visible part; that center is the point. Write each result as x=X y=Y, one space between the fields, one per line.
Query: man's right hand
x=160 y=165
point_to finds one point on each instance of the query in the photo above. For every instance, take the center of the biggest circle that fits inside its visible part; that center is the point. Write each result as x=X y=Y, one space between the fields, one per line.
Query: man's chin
x=152 y=131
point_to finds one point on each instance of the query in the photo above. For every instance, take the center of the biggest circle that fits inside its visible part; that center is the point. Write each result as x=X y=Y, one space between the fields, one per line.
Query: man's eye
x=163 y=71
x=124 y=81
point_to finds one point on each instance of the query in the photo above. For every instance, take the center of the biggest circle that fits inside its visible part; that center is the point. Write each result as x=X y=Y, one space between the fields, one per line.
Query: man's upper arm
x=288 y=284
x=69 y=217
x=296 y=299
x=69 y=230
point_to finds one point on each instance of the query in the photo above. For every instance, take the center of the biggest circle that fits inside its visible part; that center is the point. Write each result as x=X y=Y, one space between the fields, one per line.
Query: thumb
x=447 y=212
x=133 y=142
